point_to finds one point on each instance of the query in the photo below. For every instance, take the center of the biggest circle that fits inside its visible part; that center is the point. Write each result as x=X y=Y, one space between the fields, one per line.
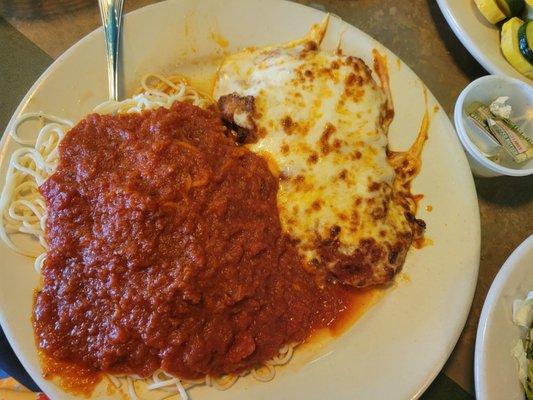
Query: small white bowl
x=485 y=90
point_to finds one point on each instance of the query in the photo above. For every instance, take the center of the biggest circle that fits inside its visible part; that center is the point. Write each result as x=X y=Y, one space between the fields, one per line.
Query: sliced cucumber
x=511 y=8
x=490 y=10
x=511 y=50
x=525 y=40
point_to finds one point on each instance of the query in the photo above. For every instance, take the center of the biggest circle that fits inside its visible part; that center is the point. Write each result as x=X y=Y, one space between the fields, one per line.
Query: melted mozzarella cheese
x=322 y=119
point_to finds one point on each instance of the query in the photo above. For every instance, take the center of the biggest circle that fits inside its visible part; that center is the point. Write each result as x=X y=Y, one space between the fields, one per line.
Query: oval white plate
x=481 y=38
x=496 y=370
x=396 y=349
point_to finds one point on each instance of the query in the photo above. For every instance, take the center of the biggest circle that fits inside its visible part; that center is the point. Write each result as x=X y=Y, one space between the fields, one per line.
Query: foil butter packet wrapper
x=502 y=130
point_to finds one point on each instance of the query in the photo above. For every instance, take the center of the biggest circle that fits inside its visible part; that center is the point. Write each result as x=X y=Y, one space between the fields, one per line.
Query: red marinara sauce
x=166 y=251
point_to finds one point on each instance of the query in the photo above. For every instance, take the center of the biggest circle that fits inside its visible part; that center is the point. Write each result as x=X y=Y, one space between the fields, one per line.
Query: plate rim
x=453 y=339
x=493 y=295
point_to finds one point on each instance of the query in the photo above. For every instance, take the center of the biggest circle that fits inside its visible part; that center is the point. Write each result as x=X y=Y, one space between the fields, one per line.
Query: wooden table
x=34 y=33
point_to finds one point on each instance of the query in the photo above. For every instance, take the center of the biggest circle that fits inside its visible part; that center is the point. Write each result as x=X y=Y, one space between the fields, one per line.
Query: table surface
x=33 y=34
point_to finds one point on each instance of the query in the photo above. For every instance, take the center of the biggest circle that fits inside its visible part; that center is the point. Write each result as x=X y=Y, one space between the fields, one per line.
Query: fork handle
x=111 y=12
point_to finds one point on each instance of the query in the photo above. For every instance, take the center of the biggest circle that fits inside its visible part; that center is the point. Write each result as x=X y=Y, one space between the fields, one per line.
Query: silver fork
x=111 y=12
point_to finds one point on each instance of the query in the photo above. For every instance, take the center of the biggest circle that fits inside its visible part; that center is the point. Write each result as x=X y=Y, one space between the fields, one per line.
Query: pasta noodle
x=23 y=209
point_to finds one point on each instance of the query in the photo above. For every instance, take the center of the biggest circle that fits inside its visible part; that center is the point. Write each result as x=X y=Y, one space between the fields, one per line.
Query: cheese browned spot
x=355 y=216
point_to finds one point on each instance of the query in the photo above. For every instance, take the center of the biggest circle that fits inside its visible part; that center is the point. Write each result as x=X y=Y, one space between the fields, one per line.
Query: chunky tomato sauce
x=166 y=251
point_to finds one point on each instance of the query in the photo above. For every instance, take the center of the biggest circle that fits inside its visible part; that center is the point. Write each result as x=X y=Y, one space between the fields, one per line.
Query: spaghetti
x=23 y=209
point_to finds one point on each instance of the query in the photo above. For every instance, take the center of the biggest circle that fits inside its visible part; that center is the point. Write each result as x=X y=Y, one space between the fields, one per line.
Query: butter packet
x=506 y=132
x=516 y=142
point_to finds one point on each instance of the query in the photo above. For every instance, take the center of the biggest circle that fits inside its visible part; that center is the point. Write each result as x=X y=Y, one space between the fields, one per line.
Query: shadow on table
x=443 y=388
x=506 y=190
x=460 y=54
x=22 y=63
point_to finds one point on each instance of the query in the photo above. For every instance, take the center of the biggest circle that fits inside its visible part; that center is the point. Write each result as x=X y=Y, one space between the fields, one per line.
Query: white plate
x=496 y=370
x=398 y=347
x=481 y=38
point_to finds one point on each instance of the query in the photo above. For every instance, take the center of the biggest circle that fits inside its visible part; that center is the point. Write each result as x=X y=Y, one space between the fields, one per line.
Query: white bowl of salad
x=504 y=352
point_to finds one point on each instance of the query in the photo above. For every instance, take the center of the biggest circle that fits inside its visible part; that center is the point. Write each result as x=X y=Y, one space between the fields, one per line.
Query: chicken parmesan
x=322 y=120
